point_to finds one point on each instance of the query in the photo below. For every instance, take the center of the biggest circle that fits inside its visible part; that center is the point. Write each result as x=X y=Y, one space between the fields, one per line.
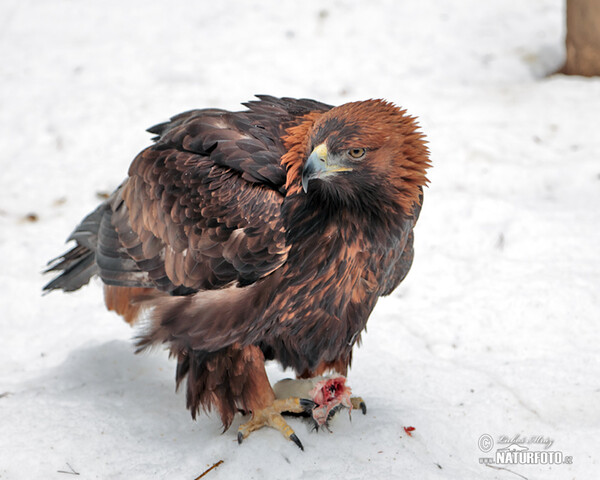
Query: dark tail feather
x=78 y=265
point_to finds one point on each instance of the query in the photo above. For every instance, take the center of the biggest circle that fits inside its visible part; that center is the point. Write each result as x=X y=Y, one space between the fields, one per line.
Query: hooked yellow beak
x=320 y=164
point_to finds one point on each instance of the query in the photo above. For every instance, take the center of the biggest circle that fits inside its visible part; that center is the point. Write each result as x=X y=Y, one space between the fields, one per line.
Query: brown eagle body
x=263 y=234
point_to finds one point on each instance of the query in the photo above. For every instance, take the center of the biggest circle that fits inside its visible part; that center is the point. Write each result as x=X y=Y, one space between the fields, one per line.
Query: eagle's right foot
x=271 y=417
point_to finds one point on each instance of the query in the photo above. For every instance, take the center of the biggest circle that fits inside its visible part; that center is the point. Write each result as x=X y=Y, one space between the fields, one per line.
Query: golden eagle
x=261 y=234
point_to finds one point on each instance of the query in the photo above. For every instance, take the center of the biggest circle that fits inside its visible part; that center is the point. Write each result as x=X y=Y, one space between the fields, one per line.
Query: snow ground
x=495 y=331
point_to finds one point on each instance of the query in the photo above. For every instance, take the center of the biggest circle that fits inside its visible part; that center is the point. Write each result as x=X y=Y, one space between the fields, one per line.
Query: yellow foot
x=271 y=417
x=359 y=403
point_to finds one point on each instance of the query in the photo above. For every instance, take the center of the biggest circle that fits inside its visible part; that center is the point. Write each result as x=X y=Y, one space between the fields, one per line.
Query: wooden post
x=583 y=38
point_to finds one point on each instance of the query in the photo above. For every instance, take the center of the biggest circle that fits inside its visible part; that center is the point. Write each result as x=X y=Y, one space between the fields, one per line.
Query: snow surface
x=495 y=330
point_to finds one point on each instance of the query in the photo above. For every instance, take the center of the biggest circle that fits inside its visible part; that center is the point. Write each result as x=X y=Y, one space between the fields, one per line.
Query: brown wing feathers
x=216 y=230
x=211 y=173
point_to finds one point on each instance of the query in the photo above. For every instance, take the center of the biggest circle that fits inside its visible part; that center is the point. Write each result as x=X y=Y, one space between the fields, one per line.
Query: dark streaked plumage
x=263 y=234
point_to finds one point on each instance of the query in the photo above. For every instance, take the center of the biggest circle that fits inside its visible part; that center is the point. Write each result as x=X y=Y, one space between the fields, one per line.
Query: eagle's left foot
x=321 y=397
x=271 y=417
x=359 y=404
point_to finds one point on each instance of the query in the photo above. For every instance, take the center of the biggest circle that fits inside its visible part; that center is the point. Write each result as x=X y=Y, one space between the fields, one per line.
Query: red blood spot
x=408 y=430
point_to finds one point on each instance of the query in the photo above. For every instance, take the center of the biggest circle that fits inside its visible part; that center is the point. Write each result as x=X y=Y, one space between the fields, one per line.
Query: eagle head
x=365 y=153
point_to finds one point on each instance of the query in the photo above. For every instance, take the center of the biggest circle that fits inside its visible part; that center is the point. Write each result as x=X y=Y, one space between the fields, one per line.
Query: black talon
x=363 y=407
x=307 y=405
x=294 y=439
x=240 y=438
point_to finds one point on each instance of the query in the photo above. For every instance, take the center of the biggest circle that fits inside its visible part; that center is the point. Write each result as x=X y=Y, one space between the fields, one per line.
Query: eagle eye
x=357 y=153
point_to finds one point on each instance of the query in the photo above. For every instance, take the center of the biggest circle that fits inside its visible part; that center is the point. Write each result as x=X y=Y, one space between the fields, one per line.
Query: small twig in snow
x=206 y=471
x=72 y=472
x=508 y=470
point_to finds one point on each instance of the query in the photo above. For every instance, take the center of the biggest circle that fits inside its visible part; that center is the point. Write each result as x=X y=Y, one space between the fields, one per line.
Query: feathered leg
x=230 y=380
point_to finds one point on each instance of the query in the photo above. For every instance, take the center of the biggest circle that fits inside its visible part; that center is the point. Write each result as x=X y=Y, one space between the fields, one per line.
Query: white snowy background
x=495 y=330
